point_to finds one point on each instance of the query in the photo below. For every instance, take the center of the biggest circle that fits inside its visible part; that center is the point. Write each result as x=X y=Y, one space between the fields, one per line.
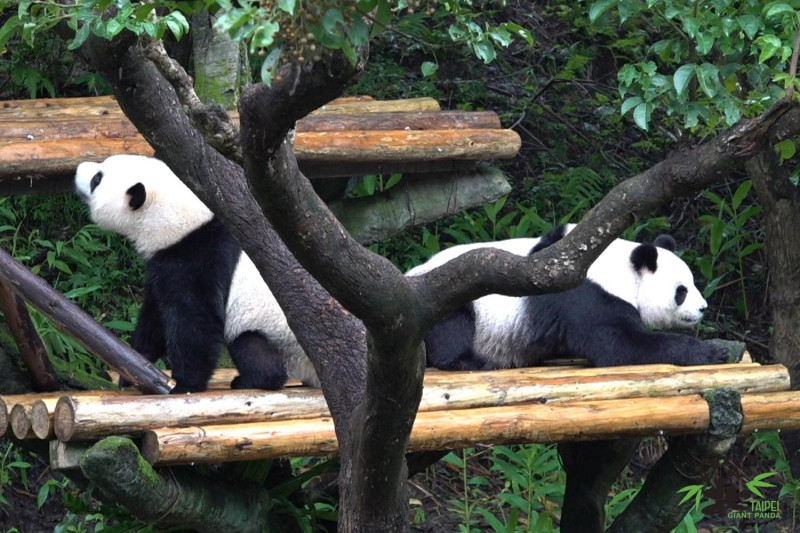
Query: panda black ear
x=136 y=196
x=666 y=242
x=645 y=256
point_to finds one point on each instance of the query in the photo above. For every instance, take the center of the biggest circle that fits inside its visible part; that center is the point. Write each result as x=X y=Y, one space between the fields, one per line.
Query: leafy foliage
x=698 y=64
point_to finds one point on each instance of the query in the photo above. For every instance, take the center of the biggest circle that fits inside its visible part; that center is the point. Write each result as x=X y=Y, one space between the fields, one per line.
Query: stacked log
x=348 y=137
x=543 y=404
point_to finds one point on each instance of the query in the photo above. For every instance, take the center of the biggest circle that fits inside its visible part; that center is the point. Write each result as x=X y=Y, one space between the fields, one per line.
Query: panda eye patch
x=680 y=294
x=96 y=179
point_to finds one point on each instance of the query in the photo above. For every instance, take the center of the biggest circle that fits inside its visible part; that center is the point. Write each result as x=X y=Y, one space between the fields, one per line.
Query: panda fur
x=629 y=288
x=202 y=290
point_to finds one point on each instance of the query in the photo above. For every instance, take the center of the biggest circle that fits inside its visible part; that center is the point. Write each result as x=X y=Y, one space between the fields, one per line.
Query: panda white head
x=653 y=279
x=140 y=197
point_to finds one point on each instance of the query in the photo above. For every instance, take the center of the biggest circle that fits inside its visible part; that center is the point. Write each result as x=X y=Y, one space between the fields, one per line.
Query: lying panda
x=629 y=287
x=202 y=290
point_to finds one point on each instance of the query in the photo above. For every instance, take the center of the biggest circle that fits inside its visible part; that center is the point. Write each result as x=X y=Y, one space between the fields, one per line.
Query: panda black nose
x=702 y=309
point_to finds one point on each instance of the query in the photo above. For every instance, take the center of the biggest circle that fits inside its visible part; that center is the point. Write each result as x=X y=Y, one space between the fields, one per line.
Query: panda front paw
x=712 y=354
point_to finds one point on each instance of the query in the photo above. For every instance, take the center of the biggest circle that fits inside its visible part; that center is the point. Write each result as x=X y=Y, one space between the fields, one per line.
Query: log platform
x=44 y=139
x=458 y=409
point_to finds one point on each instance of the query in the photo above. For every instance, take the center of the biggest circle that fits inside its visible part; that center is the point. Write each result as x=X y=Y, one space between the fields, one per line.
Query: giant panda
x=628 y=289
x=202 y=290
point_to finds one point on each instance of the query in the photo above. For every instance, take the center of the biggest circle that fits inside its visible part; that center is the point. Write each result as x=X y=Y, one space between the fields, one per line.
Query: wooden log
x=42 y=158
x=376 y=106
x=400 y=145
x=117 y=126
x=423 y=120
x=319 y=154
x=437 y=430
x=30 y=345
x=73 y=320
x=84 y=418
x=90 y=418
x=41 y=417
x=20 y=422
x=27 y=401
x=768 y=412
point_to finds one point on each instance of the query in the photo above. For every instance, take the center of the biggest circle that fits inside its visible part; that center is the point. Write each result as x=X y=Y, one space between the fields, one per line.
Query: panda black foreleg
x=259 y=362
x=591 y=468
x=194 y=343
x=616 y=346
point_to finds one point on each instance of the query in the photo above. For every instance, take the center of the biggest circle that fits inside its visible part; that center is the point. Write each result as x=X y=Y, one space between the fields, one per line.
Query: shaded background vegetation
x=563 y=97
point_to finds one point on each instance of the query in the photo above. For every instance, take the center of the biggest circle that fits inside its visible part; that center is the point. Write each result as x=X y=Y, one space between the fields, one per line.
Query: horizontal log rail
x=541 y=404
x=453 y=429
x=350 y=136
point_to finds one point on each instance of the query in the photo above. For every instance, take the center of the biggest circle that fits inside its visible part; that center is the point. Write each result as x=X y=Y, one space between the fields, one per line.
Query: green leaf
x=80 y=37
x=483 y=49
x=8 y=30
x=269 y=65
x=770 y=44
x=741 y=194
x=177 y=24
x=786 y=149
x=691 y=491
x=641 y=115
x=429 y=68
x=630 y=103
x=264 y=35
x=717 y=230
x=758 y=482
x=598 y=8
x=287 y=6
x=682 y=77
x=775 y=9
x=750 y=24
x=691 y=25
x=707 y=75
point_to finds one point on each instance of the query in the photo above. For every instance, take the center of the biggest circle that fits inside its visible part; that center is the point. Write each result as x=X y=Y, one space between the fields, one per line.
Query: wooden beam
x=423 y=120
x=436 y=430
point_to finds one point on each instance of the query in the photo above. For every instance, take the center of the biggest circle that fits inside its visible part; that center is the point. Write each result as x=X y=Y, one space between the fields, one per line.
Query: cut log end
x=41 y=416
x=64 y=419
x=20 y=422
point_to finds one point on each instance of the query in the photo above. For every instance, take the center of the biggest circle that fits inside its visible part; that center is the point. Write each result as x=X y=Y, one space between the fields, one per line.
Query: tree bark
x=115 y=466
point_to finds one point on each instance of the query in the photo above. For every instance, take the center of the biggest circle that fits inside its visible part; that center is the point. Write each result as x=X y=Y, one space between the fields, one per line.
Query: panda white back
x=629 y=287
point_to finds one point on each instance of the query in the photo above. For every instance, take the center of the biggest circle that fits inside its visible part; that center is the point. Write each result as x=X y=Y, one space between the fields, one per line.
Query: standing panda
x=202 y=290
x=630 y=287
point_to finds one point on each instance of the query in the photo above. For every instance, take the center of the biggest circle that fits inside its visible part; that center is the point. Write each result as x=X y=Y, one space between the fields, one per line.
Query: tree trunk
x=780 y=200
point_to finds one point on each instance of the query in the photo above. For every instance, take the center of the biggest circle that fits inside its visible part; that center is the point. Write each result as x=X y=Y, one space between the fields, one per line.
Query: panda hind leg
x=259 y=362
